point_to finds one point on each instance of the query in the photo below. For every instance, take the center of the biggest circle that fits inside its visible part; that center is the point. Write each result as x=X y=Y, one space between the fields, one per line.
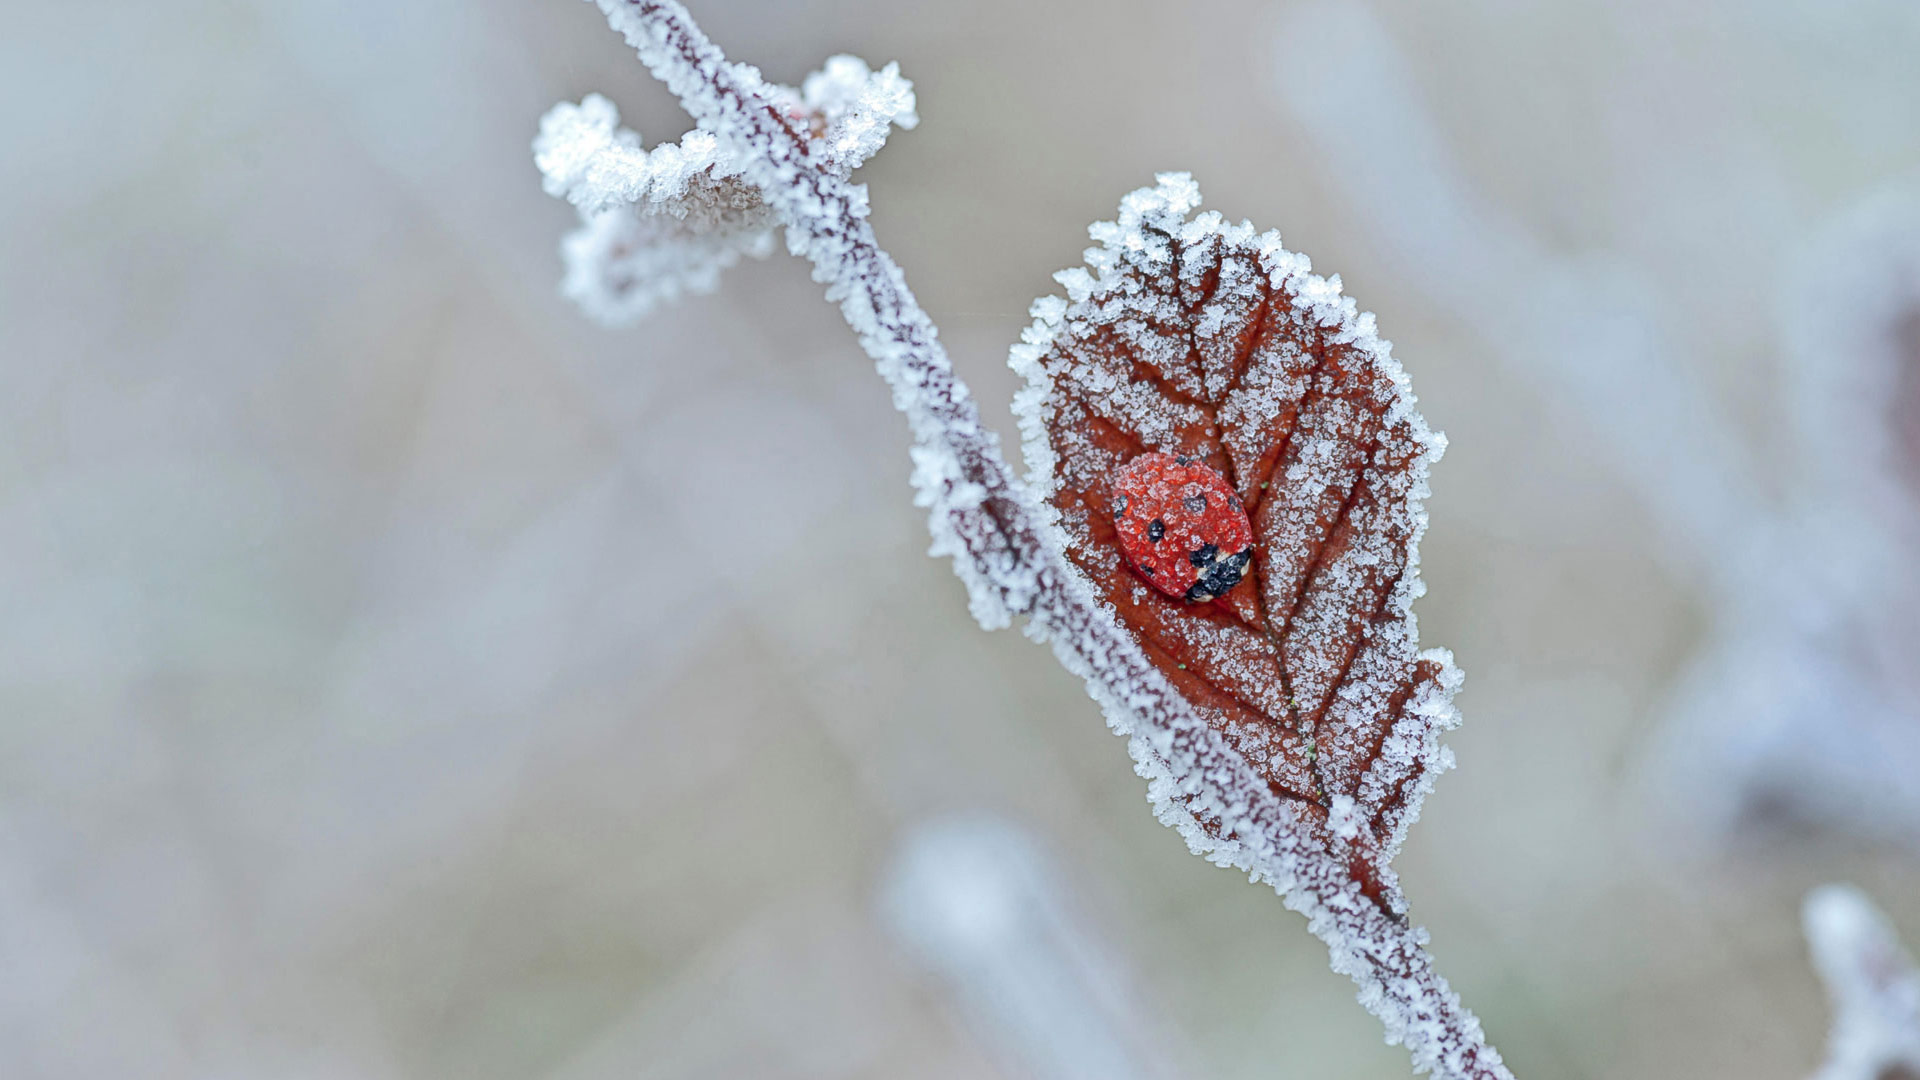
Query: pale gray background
x=401 y=678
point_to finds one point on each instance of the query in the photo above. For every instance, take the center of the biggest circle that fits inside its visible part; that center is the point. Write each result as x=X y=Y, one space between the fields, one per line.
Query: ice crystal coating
x=1191 y=336
x=1009 y=553
x=1872 y=983
x=658 y=223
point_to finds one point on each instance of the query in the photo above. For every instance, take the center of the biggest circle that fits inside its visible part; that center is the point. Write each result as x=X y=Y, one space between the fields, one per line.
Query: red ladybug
x=1181 y=526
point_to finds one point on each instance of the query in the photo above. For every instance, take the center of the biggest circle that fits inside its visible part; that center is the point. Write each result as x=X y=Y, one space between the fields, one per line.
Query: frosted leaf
x=1872 y=984
x=658 y=223
x=1190 y=336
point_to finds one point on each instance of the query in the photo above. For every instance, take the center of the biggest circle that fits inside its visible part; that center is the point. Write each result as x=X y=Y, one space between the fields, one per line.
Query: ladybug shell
x=1181 y=526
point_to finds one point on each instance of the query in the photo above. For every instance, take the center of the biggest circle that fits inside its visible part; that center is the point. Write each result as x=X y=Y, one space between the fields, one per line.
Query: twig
x=1012 y=563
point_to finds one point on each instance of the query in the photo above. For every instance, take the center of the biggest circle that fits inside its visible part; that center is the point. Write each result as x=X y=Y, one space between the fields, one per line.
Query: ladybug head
x=1218 y=573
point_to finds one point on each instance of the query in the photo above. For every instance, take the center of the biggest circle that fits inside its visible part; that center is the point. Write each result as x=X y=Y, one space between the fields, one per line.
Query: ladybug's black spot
x=1234 y=501
x=1219 y=577
x=1156 y=529
x=1205 y=554
x=1197 y=502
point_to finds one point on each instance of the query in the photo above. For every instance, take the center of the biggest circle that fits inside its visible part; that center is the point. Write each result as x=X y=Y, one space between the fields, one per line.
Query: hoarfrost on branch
x=658 y=223
x=1004 y=546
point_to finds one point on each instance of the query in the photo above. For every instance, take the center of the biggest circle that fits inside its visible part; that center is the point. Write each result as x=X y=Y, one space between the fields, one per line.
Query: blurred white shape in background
x=977 y=903
x=1808 y=710
x=1804 y=706
x=1582 y=330
x=1874 y=987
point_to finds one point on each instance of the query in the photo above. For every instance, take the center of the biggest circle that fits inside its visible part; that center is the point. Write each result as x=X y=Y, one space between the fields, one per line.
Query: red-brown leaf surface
x=1194 y=338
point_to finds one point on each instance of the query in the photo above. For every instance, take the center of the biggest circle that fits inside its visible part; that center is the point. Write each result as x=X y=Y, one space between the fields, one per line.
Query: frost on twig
x=1872 y=983
x=657 y=223
x=1345 y=542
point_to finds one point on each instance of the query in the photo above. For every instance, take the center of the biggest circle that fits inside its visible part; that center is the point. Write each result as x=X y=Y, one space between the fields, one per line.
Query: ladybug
x=1181 y=526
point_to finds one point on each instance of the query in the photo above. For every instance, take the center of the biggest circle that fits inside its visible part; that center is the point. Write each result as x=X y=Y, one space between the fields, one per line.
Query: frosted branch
x=1010 y=557
x=658 y=223
x=1873 y=984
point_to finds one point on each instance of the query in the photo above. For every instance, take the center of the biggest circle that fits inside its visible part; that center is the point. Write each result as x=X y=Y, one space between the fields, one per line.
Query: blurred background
x=401 y=677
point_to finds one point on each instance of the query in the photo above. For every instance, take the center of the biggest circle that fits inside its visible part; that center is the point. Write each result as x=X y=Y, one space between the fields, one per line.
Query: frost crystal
x=1872 y=983
x=658 y=223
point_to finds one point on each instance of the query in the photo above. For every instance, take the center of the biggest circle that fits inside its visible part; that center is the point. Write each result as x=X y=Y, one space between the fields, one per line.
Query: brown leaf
x=1210 y=341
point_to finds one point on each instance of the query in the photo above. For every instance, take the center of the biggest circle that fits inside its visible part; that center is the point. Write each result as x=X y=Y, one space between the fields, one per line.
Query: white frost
x=655 y=224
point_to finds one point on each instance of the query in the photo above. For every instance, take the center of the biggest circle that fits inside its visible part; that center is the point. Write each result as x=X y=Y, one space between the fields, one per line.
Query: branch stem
x=1009 y=555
